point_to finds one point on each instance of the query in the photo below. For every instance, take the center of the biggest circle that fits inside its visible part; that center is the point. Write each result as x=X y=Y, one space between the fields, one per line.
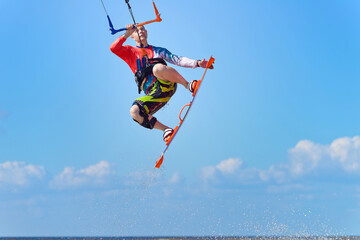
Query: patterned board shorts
x=158 y=96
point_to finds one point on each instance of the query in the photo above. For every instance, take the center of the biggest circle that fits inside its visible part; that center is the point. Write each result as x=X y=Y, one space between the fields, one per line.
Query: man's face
x=142 y=33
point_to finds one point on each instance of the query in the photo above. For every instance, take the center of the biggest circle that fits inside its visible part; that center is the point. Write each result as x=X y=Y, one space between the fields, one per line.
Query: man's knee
x=140 y=116
x=135 y=112
x=159 y=68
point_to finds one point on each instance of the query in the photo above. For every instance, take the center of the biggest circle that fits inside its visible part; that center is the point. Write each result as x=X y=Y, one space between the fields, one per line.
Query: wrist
x=198 y=63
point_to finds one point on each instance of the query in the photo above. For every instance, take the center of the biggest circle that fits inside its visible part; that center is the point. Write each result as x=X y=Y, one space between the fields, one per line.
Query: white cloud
x=208 y=172
x=71 y=178
x=308 y=158
x=342 y=154
x=305 y=156
x=278 y=172
x=347 y=152
x=175 y=178
x=229 y=166
x=19 y=174
x=97 y=171
x=305 y=159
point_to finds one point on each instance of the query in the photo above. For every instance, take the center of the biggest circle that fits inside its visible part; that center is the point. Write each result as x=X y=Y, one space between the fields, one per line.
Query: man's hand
x=203 y=63
x=130 y=29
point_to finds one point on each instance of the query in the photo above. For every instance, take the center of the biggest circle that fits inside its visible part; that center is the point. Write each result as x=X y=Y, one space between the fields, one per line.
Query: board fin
x=159 y=161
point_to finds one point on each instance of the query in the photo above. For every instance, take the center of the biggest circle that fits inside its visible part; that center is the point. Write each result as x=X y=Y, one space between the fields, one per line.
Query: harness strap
x=142 y=73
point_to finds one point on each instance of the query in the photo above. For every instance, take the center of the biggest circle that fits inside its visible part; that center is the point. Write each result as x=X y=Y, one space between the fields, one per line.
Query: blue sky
x=271 y=146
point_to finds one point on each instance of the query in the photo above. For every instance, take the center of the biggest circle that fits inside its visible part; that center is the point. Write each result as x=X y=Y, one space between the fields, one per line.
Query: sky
x=271 y=145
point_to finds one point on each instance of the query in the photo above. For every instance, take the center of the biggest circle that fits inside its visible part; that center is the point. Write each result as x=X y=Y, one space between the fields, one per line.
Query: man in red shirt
x=152 y=75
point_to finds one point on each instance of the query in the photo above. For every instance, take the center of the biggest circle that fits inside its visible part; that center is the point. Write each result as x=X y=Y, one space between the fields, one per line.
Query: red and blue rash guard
x=133 y=56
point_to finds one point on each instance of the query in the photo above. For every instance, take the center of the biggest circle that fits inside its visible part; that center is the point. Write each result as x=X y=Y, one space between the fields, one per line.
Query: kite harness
x=142 y=73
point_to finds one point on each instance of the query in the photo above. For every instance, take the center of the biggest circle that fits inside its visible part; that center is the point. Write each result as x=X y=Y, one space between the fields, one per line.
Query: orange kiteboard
x=177 y=128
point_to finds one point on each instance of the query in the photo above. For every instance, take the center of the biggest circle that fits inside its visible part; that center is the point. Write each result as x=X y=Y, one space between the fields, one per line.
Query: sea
x=192 y=238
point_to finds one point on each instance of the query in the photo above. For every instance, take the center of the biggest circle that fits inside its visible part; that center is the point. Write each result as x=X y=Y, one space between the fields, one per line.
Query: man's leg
x=145 y=106
x=169 y=74
x=146 y=120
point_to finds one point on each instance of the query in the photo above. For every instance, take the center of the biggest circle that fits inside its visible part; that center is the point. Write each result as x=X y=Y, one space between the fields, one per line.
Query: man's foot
x=192 y=85
x=167 y=134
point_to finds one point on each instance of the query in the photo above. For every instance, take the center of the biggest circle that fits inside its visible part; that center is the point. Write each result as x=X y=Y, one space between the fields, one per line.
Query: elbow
x=113 y=48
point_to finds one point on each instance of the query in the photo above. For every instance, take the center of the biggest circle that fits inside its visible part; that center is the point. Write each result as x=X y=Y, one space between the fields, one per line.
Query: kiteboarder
x=152 y=76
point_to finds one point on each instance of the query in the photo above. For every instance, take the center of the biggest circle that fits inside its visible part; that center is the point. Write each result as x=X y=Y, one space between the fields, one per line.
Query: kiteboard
x=177 y=128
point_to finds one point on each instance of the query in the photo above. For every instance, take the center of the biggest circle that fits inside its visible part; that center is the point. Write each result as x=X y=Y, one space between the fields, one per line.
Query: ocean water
x=190 y=238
